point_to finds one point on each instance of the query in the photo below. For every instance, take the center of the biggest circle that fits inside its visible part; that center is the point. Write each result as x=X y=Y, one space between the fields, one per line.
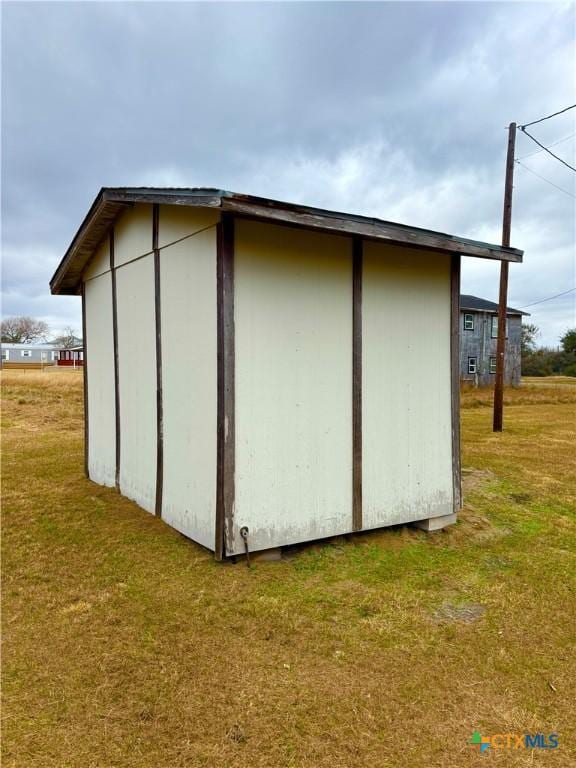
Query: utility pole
x=503 y=297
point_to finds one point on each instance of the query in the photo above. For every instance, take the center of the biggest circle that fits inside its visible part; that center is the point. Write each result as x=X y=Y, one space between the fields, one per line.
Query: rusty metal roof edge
x=297 y=207
x=212 y=197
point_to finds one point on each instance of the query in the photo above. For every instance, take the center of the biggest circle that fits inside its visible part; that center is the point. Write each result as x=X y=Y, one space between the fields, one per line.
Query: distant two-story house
x=478 y=339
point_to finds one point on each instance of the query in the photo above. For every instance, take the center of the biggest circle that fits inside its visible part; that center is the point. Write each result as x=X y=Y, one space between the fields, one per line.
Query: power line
x=537 y=152
x=541 y=120
x=546 y=149
x=549 y=298
x=546 y=180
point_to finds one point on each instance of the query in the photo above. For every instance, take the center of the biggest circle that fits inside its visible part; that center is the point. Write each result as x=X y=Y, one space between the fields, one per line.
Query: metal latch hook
x=244 y=533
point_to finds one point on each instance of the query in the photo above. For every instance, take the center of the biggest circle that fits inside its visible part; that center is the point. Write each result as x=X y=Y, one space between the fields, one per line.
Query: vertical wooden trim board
x=85 y=375
x=226 y=389
x=455 y=377
x=116 y=357
x=219 y=528
x=357 y=264
x=158 y=320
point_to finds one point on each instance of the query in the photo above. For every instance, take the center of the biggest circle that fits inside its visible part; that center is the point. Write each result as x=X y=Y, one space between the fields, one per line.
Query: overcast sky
x=396 y=110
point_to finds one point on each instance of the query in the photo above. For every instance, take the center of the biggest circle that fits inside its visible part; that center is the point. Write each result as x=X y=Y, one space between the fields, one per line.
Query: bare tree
x=23 y=330
x=68 y=339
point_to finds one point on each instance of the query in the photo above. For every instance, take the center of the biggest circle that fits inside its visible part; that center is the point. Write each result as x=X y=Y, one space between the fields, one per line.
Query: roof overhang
x=510 y=312
x=469 y=303
x=111 y=202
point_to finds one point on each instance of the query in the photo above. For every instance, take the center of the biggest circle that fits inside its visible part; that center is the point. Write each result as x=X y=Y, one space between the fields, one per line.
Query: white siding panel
x=293 y=316
x=178 y=221
x=100 y=262
x=137 y=374
x=100 y=367
x=133 y=234
x=406 y=398
x=189 y=372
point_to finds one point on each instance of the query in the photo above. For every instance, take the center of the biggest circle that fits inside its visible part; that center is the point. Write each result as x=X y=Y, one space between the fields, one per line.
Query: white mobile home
x=29 y=355
x=261 y=367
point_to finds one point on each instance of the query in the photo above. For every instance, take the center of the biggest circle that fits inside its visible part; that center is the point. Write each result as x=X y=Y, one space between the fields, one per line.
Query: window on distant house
x=54 y=355
x=472 y=364
x=5 y=354
x=494 y=330
x=468 y=322
x=492 y=365
x=26 y=353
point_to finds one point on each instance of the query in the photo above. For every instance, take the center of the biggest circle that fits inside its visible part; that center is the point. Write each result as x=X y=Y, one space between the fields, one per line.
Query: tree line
x=547 y=361
x=536 y=361
x=29 y=330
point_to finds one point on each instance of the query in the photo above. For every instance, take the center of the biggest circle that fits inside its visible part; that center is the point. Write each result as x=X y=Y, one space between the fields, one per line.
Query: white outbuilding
x=267 y=371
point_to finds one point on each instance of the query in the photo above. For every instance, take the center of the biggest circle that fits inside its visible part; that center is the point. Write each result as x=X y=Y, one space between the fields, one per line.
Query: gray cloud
x=390 y=109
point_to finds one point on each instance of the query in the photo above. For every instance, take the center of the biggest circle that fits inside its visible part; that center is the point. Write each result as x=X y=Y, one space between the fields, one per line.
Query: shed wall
x=100 y=263
x=100 y=373
x=189 y=370
x=133 y=234
x=406 y=398
x=137 y=377
x=293 y=372
x=293 y=326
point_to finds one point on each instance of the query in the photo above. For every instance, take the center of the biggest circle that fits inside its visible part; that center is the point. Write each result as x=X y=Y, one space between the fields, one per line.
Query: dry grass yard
x=126 y=645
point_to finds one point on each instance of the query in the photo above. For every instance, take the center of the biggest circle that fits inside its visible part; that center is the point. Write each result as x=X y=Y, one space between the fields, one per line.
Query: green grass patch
x=126 y=645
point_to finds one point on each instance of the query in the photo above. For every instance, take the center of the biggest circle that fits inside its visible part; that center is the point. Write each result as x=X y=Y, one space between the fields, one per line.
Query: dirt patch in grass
x=467 y=612
x=472 y=479
x=126 y=644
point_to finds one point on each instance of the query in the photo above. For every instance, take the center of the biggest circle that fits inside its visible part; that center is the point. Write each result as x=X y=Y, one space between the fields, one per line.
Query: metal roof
x=112 y=201
x=476 y=304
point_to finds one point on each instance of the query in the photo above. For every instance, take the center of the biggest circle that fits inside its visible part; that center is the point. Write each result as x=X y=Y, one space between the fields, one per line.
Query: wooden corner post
x=116 y=359
x=226 y=457
x=357 y=265
x=159 y=397
x=503 y=295
x=85 y=382
x=455 y=379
